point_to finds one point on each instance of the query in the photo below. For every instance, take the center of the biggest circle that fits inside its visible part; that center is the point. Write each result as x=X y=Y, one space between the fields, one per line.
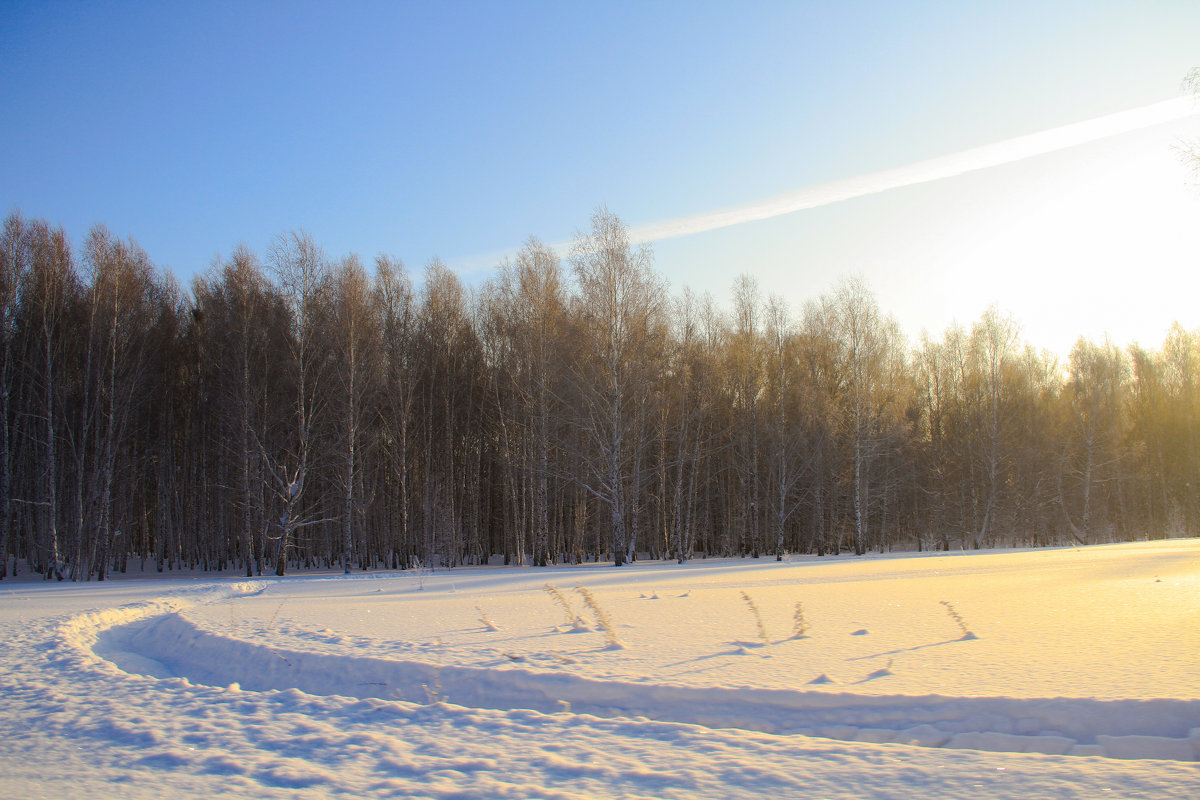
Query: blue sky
x=459 y=129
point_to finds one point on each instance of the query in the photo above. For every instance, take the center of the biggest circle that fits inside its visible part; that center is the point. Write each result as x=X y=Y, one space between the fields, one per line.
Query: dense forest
x=304 y=411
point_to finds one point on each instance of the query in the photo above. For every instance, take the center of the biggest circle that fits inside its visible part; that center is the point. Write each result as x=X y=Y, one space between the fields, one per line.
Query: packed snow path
x=473 y=684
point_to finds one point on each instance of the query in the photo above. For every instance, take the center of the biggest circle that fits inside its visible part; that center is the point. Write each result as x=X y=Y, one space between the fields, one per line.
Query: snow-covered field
x=1082 y=679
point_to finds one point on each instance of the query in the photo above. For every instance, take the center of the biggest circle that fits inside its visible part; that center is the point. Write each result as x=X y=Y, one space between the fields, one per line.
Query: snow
x=1083 y=680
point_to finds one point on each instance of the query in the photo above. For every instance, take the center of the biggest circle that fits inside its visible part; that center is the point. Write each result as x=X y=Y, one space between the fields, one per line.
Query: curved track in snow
x=156 y=640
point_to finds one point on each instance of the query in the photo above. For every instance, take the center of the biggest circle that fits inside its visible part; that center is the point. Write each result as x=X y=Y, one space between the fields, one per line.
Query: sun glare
x=1091 y=243
x=1075 y=232
x=1094 y=241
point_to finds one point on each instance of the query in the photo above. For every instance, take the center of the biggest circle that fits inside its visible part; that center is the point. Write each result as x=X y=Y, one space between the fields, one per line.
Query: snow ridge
x=154 y=639
x=83 y=633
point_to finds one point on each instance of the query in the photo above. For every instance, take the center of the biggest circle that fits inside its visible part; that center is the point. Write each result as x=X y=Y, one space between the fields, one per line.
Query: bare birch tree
x=785 y=440
x=619 y=307
x=1095 y=403
x=993 y=342
x=747 y=352
x=871 y=352
x=52 y=282
x=397 y=323
x=533 y=299
x=302 y=273
x=354 y=337
x=14 y=263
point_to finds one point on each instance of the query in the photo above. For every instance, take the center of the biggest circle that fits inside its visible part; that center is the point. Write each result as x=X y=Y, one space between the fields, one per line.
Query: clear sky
x=459 y=129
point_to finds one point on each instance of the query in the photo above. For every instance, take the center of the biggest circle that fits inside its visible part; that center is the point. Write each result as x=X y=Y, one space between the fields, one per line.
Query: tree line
x=304 y=411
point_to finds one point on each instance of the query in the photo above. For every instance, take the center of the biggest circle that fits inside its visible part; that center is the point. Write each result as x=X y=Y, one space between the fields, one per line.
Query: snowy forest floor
x=1079 y=678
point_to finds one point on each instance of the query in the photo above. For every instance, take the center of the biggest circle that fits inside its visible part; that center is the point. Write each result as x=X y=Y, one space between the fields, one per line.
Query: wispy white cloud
x=933 y=169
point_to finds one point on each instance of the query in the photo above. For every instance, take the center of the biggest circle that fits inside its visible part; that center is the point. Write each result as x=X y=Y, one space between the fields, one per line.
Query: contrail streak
x=948 y=166
x=933 y=169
